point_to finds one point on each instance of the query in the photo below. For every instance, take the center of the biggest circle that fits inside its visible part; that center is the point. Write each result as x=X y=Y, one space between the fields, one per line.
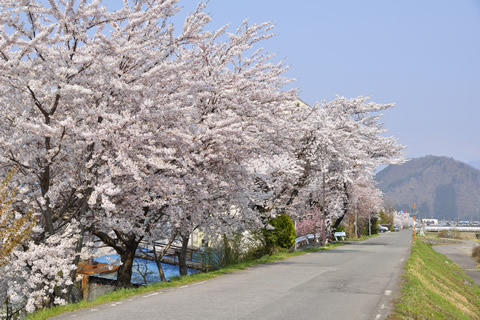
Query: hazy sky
x=422 y=55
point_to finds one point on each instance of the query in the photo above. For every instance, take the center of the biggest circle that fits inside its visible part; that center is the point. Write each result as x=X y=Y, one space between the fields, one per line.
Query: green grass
x=174 y=282
x=436 y=288
x=363 y=237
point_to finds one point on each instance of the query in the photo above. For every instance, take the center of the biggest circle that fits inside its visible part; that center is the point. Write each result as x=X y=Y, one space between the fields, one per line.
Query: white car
x=382 y=229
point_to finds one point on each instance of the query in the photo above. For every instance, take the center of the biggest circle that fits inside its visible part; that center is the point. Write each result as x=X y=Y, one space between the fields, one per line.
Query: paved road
x=461 y=254
x=355 y=281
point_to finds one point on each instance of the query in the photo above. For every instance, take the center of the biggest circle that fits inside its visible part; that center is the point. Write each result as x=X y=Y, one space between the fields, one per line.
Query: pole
x=295 y=225
x=355 y=210
x=414 y=223
x=369 y=225
x=414 y=229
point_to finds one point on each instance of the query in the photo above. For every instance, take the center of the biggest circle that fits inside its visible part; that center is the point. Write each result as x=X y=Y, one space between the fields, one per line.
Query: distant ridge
x=441 y=187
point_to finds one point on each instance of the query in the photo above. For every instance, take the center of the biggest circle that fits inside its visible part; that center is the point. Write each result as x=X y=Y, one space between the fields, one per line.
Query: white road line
x=378 y=316
x=382 y=307
x=93 y=309
x=151 y=294
x=388 y=292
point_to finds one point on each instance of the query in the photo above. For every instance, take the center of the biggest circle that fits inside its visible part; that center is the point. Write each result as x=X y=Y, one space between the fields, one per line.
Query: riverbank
x=435 y=287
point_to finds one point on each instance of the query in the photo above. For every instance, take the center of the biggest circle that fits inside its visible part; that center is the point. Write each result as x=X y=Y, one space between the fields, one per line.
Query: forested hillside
x=441 y=187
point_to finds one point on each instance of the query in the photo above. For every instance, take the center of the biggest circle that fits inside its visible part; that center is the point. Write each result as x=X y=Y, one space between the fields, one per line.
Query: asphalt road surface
x=355 y=281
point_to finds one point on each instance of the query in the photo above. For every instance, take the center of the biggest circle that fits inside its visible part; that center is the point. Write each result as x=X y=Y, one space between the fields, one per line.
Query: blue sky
x=424 y=56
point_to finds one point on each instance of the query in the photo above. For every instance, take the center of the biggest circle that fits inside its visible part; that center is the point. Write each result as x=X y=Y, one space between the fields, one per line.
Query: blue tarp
x=142 y=268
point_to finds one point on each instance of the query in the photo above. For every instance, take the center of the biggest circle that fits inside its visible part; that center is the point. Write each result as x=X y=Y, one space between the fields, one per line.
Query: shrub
x=449 y=234
x=14 y=229
x=283 y=234
x=476 y=254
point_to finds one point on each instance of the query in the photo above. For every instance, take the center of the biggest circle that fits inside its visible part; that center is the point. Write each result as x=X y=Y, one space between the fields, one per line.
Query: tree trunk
x=126 y=246
x=182 y=257
x=160 y=270
x=124 y=273
x=76 y=260
x=226 y=251
x=345 y=209
x=337 y=222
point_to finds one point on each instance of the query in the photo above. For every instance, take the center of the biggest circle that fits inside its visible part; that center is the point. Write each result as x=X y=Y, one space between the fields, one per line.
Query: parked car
x=396 y=228
x=382 y=229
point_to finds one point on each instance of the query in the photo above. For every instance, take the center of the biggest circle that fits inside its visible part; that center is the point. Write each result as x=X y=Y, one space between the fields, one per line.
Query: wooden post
x=84 y=286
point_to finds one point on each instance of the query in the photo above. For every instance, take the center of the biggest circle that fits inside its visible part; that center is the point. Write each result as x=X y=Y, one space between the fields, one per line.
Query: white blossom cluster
x=39 y=274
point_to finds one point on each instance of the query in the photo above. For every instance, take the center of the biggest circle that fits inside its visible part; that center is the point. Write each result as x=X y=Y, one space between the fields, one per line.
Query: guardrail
x=460 y=229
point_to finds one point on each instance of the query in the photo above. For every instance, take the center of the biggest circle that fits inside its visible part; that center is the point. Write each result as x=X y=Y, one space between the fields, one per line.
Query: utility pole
x=369 y=225
x=414 y=224
x=355 y=210
x=414 y=228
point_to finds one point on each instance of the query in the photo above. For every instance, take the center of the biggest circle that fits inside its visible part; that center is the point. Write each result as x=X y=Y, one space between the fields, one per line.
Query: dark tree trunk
x=337 y=222
x=124 y=273
x=346 y=203
x=182 y=257
x=226 y=251
x=126 y=246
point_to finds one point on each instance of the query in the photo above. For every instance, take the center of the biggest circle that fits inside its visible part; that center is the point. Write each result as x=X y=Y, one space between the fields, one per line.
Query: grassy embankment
x=175 y=282
x=436 y=288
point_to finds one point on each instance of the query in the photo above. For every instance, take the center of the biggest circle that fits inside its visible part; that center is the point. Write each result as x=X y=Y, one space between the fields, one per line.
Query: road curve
x=356 y=281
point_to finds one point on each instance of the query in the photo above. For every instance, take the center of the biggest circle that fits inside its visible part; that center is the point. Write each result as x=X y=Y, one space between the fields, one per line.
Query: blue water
x=145 y=267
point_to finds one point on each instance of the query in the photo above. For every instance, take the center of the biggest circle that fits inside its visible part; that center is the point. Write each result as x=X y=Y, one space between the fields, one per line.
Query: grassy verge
x=175 y=282
x=436 y=288
x=453 y=235
x=362 y=237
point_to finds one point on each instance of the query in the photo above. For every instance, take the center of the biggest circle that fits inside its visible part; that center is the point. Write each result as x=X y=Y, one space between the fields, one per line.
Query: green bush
x=283 y=235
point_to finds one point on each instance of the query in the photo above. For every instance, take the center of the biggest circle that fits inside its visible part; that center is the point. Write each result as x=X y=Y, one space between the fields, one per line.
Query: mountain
x=440 y=187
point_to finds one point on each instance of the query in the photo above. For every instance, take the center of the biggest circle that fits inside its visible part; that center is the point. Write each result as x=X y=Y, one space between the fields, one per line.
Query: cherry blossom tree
x=78 y=83
x=339 y=143
x=402 y=219
x=366 y=202
x=116 y=120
